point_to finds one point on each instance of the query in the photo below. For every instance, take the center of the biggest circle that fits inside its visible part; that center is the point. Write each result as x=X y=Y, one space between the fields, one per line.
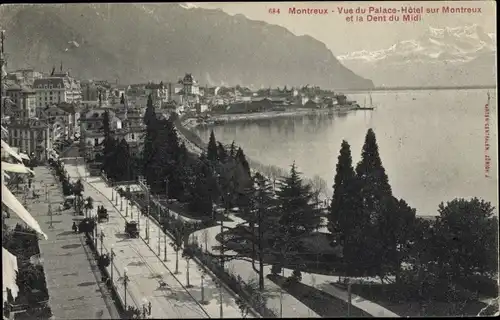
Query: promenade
x=73 y=279
x=145 y=268
x=282 y=303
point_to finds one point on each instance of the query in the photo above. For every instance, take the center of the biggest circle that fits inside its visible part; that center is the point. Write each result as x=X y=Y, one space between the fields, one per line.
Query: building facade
x=24 y=99
x=31 y=136
x=56 y=89
x=66 y=116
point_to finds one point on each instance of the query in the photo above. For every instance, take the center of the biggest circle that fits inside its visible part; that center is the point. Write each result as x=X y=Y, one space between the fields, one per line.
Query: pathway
x=73 y=279
x=146 y=267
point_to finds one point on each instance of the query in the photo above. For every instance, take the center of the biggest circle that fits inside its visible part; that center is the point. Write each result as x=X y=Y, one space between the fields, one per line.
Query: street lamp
x=111 y=258
x=116 y=197
x=101 y=236
x=165 y=247
x=121 y=203
x=51 y=226
x=126 y=207
x=125 y=281
x=112 y=194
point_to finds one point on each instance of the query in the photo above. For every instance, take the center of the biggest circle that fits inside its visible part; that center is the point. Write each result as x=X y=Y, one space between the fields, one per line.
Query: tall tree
x=299 y=213
x=240 y=156
x=201 y=193
x=109 y=157
x=467 y=237
x=344 y=208
x=106 y=125
x=151 y=123
x=373 y=180
x=376 y=201
x=232 y=150
x=221 y=152
x=212 y=153
x=122 y=99
x=123 y=166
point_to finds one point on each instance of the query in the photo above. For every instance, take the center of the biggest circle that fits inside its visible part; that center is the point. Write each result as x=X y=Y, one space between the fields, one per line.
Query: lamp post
x=112 y=194
x=101 y=236
x=51 y=226
x=349 y=297
x=202 y=287
x=159 y=240
x=125 y=281
x=121 y=203
x=126 y=207
x=111 y=264
x=116 y=197
x=165 y=247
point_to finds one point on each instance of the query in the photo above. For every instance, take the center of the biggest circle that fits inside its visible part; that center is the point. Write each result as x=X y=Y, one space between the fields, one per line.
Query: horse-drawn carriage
x=131 y=229
x=69 y=201
x=102 y=214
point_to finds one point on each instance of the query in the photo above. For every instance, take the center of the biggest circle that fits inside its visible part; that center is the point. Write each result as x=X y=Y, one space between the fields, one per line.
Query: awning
x=9 y=150
x=9 y=274
x=16 y=167
x=11 y=201
x=5 y=132
x=24 y=156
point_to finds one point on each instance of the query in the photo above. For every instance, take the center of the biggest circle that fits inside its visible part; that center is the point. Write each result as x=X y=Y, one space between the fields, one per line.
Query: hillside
x=141 y=42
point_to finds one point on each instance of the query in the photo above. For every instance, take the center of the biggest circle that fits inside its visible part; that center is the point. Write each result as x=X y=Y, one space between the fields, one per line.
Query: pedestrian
x=75 y=228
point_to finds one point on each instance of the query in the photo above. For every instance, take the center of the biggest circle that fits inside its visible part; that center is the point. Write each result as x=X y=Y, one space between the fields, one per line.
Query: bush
x=276 y=269
x=296 y=276
x=132 y=313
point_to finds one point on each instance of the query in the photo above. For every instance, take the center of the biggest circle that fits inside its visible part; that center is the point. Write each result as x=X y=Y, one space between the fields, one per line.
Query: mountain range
x=141 y=42
x=458 y=56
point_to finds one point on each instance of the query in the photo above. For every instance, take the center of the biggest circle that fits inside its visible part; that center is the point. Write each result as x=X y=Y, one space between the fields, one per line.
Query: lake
x=432 y=143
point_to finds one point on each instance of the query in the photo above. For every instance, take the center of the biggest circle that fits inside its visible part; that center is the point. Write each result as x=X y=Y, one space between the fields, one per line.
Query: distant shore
x=218 y=119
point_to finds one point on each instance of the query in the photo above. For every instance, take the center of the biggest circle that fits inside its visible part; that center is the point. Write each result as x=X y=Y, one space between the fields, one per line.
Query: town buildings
x=24 y=99
x=126 y=122
x=57 y=88
x=30 y=136
x=64 y=115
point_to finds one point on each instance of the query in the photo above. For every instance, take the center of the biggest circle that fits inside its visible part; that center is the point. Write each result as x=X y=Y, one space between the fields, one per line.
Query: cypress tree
x=371 y=174
x=232 y=150
x=212 y=154
x=106 y=125
x=151 y=131
x=122 y=99
x=123 y=170
x=380 y=214
x=221 y=152
x=345 y=201
x=240 y=157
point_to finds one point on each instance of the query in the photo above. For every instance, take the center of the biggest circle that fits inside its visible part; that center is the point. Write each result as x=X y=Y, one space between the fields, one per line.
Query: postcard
x=249 y=159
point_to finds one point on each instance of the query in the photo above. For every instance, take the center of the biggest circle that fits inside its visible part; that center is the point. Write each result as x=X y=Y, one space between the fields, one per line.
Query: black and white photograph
x=175 y=160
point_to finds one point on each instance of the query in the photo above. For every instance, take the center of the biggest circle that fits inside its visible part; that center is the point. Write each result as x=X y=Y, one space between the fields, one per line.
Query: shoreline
x=221 y=119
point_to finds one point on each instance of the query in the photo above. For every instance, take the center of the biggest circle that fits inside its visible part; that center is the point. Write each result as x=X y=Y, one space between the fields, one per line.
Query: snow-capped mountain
x=438 y=57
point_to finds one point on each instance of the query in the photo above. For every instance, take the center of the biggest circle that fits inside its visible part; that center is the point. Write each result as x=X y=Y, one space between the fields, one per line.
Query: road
x=146 y=268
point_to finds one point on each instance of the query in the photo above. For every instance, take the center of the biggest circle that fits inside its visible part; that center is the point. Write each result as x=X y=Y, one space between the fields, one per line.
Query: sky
x=344 y=37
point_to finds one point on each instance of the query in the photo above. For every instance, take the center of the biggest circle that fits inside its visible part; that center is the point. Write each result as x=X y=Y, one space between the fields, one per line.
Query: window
x=96 y=142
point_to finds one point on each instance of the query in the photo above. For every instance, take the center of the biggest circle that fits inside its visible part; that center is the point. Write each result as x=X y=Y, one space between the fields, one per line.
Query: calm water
x=431 y=143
